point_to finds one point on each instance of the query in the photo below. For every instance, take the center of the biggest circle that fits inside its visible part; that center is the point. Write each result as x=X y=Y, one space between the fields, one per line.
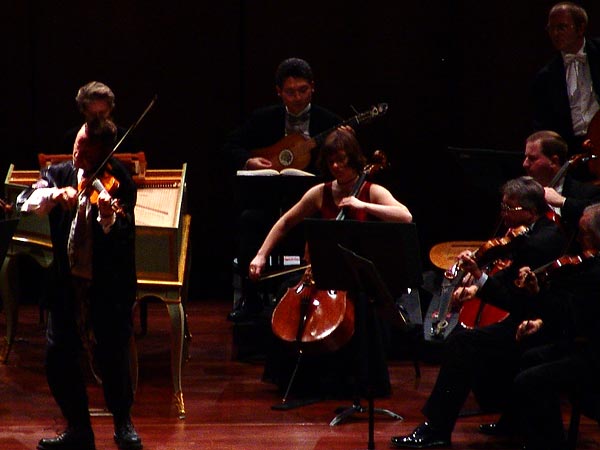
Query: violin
x=101 y=182
x=440 y=319
x=592 y=146
x=477 y=313
x=559 y=265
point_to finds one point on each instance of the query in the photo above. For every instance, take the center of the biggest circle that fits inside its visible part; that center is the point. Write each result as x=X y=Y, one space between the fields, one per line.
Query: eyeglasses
x=507 y=208
x=561 y=27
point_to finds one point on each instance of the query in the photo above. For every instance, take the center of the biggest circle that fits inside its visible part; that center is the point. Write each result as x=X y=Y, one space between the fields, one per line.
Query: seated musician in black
x=485 y=360
x=572 y=363
x=295 y=85
x=545 y=156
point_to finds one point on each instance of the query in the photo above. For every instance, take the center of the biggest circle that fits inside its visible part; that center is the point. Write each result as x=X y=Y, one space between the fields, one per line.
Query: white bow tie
x=570 y=58
x=572 y=70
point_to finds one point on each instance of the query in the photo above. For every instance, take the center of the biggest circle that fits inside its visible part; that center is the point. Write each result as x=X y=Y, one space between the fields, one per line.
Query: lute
x=294 y=150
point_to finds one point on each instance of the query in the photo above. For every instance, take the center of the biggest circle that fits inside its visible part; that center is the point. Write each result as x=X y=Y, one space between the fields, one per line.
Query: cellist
x=342 y=158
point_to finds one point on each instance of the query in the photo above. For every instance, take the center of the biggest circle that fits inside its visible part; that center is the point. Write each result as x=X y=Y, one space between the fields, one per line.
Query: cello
x=319 y=320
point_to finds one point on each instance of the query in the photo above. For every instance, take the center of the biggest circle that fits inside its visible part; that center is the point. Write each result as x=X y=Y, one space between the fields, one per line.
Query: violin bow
x=118 y=144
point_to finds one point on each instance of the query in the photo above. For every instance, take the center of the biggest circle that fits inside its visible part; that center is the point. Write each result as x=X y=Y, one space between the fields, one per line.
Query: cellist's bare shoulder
x=314 y=196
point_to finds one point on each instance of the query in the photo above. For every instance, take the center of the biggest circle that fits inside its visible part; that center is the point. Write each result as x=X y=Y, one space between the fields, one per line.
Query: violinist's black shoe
x=70 y=439
x=126 y=437
x=495 y=429
x=424 y=436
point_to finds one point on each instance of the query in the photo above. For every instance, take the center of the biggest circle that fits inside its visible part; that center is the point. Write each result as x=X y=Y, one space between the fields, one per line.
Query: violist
x=485 y=360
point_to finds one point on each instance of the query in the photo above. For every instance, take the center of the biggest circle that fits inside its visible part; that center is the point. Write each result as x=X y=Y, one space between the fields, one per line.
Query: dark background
x=454 y=73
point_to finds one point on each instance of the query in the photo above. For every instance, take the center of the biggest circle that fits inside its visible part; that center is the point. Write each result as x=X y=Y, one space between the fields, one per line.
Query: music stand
x=377 y=261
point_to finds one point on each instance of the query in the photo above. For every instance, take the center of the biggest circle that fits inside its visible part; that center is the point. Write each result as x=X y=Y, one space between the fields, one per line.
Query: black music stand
x=378 y=262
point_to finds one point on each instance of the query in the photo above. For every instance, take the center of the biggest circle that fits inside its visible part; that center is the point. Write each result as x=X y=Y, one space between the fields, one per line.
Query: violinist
x=342 y=159
x=94 y=284
x=571 y=363
x=546 y=154
x=484 y=360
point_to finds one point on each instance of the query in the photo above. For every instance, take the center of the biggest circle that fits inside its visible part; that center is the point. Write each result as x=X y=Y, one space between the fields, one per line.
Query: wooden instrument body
x=293 y=151
x=319 y=321
x=441 y=318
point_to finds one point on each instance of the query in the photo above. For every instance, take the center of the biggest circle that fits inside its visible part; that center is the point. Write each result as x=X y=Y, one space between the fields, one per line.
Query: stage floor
x=227 y=405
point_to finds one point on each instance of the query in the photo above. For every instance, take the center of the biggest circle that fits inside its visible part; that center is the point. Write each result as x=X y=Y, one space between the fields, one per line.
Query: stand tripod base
x=344 y=413
x=287 y=405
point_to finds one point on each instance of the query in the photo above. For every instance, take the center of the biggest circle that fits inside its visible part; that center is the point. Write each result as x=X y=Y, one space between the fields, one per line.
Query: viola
x=477 y=313
x=441 y=319
x=592 y=146
x=562 y=264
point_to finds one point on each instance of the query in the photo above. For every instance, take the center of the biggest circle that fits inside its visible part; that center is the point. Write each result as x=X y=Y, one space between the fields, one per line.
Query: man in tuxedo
x=572 y=363
x=94 y=285
x=546 y=154
x=485 y=360
x=295 y=86
x=565 y=92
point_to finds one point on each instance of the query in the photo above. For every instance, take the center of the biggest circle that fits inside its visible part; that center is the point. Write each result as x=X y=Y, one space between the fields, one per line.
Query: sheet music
x=157 y=207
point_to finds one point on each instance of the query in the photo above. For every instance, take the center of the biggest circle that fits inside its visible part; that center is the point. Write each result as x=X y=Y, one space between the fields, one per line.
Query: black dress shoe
x=126 y=437
x=70 y=439
x=495 y=429
x=424 y=436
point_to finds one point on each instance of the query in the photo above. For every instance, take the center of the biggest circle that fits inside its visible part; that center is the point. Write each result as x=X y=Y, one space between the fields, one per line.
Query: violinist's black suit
x=112 y=292
x=486 y=359
x=571 y=365
x=578 y=195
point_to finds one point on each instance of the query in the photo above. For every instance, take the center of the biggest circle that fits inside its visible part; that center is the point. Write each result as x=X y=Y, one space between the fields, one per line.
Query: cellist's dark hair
x=340 y=139
x=528 y=192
